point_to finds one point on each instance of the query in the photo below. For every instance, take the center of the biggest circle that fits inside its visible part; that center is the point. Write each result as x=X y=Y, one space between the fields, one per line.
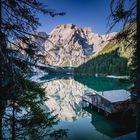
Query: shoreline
x=118 y=77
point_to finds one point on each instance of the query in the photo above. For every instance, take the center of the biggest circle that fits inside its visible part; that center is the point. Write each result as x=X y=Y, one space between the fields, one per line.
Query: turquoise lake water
x=65 y=99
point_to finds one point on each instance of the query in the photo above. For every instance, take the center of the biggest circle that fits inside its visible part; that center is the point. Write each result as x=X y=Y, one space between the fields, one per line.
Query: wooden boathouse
x=110 y=102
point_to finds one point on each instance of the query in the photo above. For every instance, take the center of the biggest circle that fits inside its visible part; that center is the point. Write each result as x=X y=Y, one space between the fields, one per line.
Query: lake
x=64 y=98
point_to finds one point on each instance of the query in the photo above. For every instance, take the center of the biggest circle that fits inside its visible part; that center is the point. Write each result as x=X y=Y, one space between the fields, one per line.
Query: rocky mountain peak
x=70 y=45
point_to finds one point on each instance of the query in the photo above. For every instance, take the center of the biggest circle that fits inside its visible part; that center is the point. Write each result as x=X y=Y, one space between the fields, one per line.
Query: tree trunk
x=1 y=113
x=13 y=123
x=1 y=104
x=138 y=73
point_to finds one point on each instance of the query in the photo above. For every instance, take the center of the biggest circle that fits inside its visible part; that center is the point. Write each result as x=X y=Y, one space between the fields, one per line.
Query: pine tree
x=18 y=21
x=128 y=12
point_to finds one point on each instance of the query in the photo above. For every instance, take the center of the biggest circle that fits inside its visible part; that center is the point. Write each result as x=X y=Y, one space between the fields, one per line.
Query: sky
x=83 y=13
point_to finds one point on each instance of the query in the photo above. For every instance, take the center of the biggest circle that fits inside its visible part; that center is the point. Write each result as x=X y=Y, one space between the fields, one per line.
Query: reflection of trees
x=111 y=127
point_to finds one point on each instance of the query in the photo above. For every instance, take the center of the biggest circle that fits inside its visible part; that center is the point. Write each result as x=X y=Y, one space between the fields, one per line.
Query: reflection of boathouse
x=108 y=101
x=111 y=127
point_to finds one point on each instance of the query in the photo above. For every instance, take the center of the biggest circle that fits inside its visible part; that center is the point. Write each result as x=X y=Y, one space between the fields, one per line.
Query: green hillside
x=112 y=60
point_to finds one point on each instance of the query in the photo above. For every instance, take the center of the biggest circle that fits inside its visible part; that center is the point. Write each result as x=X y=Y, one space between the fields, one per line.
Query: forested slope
x=113 y=59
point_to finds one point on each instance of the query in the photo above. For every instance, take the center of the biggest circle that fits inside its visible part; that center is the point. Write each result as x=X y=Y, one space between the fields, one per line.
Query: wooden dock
x=108 y=101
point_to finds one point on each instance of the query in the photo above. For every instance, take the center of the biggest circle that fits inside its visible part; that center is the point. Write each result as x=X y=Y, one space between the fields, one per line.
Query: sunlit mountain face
x=67 y=45
x=70 y=45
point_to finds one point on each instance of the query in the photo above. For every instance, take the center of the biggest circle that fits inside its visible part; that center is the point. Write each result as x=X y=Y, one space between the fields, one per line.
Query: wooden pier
x=108 y=101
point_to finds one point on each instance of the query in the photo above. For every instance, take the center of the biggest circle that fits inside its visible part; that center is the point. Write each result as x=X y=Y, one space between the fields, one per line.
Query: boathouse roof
x=115 y=95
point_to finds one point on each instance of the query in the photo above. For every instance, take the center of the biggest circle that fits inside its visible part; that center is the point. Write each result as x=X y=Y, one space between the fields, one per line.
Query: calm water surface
x=64 y=98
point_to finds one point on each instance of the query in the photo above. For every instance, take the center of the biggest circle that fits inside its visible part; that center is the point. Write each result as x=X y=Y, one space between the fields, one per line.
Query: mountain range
x=69 y=45
x=72 y=49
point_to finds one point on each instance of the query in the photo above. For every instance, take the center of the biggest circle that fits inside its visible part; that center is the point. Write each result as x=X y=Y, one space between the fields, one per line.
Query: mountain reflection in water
x=64 y=98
